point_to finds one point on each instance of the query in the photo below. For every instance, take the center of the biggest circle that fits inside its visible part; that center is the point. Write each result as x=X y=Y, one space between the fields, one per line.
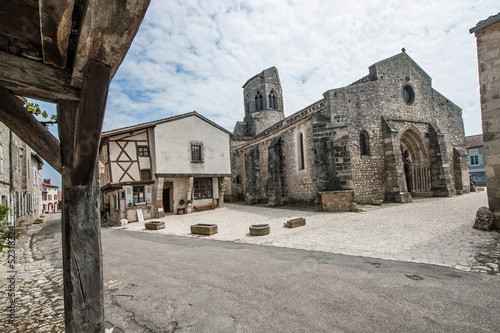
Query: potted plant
x=180 y=210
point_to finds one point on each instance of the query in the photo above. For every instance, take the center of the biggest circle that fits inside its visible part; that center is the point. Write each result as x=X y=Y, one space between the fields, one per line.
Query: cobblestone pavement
x=431 y=230
x=39 y=303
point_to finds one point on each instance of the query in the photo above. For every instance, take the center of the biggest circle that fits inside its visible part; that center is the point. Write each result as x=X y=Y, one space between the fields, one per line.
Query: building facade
x=20 y=178
x=387 y=136
x=487 y=34
x=50 y=197
x=177 y=162
x=475 y=152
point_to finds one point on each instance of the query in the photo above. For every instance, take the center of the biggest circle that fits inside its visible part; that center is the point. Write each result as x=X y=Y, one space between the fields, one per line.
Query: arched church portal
x=416 y=162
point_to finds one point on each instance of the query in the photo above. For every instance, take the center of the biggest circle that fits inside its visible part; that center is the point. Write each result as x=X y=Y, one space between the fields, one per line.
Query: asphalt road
x=158 y=283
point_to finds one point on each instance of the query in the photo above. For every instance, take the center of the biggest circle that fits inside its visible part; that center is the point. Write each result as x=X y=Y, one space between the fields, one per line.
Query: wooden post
x=80 y=126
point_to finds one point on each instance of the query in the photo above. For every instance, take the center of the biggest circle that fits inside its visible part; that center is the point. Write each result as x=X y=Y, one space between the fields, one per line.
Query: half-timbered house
x=172 y=163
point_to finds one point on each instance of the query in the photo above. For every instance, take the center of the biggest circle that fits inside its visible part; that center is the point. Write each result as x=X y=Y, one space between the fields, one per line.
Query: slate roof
x=474 y=141
x=486 y=23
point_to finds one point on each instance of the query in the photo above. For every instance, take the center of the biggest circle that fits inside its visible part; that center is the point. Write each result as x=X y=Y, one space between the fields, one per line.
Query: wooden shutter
x=149 y=195
x=129 y=198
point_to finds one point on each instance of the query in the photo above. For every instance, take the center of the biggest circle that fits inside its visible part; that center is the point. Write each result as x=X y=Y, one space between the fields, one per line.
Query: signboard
x=159 y=205
x=140 y=218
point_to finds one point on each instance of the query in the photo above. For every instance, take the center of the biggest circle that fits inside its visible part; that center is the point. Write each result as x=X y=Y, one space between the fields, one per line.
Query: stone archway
x=416 y=162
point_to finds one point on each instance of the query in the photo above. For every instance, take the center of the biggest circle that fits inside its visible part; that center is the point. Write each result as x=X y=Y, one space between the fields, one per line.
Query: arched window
x=259 y=102
x=364 y=147
x=300 y=151
x=273 y=103
x=238 y=179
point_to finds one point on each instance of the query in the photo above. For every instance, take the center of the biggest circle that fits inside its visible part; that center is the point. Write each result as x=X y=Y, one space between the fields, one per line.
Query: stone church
x=387 y=136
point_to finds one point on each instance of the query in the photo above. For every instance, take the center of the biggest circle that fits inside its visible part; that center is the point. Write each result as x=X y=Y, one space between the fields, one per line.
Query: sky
x=196 y=55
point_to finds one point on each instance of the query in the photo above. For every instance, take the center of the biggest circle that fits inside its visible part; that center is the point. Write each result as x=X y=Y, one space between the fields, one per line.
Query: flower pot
x=180 y=211
x=22 y=223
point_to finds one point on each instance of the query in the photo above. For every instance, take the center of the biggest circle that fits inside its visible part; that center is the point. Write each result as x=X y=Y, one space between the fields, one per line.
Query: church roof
x=485 y=23
x=474 y=141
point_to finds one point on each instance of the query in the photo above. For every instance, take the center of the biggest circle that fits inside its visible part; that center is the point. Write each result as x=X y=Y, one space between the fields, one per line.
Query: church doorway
x=416 y=163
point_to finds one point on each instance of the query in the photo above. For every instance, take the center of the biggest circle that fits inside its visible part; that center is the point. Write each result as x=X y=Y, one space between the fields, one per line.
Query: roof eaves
x=485 y=23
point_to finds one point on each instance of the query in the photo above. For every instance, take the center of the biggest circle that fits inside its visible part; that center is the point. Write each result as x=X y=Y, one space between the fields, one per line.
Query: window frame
x=474 y=160
x=196 y=153
x=142 y=151
x=301 y=161
x=198 y=188
x=136 y=189
x=364 y=144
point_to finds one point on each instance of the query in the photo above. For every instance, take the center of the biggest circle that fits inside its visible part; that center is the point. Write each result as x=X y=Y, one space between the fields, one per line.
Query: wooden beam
x=55 y=28
x=19 y=19
x=89 y=119
x=20 y=121
x=66 y=118
x=35 y=80
x=107 y=38
x=82 y=255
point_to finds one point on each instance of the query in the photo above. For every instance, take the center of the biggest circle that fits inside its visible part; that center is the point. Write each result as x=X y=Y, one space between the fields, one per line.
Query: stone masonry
x=388 y=136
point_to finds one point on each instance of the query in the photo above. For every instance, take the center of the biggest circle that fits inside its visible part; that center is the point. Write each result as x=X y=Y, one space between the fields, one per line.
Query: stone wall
x=488 y=49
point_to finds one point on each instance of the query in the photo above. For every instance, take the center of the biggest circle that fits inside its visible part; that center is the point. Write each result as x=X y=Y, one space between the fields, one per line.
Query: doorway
x=167 y=196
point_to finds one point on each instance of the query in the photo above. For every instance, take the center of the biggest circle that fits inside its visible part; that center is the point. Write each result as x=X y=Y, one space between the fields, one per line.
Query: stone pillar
x=487 y=33
x=159 y=191
x=395 y=181
x=440 y=166
x=189 y=194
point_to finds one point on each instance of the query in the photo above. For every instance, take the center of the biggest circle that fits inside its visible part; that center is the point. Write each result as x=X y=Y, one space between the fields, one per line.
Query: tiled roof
x=486 y=23
x=474 y=141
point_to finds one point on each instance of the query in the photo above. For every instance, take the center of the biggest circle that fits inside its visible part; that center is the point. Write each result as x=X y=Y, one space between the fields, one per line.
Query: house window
x=55 y=197
x=196 y=153
x=474 y=160
x=259 y=102
x=363 y=144
x=50 y=197
x=202 y=188
x=138 y=194
x=300 y=152
x=142 y=151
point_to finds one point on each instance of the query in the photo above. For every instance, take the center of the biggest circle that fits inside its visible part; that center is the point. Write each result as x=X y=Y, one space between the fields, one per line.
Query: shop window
x=202 y=188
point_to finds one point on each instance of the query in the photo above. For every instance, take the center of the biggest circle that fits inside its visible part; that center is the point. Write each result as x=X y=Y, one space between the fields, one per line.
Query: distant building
x=20 y=178
x=177 y=160
x=487 y=34
x=50 y=196
x=475 y=153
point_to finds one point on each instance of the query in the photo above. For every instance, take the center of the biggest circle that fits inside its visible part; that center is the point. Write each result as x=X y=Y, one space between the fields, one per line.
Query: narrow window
x=363 y=144
x=272 y=101
x=259 y=102
x=196 y=153
x=143 y=151
x=300 y=151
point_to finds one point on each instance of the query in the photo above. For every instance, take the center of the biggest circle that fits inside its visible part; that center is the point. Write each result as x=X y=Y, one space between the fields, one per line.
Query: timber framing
x=66 y=52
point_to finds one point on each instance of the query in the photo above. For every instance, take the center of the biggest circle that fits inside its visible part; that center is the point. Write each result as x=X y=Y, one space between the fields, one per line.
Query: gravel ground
x=432 y=230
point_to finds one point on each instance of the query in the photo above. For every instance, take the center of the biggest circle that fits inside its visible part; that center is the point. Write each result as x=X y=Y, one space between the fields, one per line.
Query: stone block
x=336 y=201
x=154 y=225
x=204 y=229
x=484 y=219
x=295 y=223
x=259 y=229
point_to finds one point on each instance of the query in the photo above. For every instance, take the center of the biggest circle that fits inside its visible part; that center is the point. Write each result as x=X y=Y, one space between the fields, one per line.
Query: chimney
x=46 y=181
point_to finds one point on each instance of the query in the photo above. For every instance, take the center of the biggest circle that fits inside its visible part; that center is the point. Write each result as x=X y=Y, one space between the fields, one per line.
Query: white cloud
x=196 y=55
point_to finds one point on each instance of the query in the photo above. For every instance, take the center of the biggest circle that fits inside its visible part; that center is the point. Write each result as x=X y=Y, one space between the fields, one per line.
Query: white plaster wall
x=173 y=147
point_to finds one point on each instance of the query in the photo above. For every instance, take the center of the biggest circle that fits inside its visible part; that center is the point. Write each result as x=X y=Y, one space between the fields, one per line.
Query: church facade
x=388 y=136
